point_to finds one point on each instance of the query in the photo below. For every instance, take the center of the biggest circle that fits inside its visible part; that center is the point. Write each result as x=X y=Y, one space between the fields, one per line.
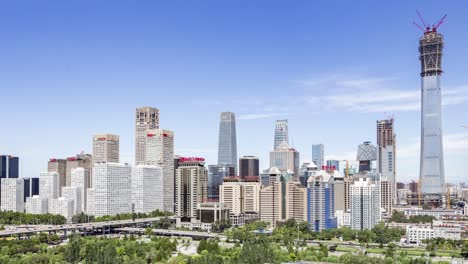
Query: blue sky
x=70 y=69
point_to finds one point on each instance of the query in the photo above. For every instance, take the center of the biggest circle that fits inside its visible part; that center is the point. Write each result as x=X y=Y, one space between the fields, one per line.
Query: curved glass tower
x=432 y=177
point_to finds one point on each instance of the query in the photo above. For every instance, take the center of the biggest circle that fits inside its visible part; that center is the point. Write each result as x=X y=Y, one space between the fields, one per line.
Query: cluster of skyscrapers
x=318 y=192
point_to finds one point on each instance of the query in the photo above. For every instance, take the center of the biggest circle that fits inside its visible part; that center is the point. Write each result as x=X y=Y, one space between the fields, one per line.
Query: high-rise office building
x=281 y=133
x=242 y=195
x=308 y=169
x=81 y=160
x=80 y=180
x=271 y=203
x=111 y=184
x=49 y=185
x=249 y=166
x=366 y=155
x=386 y=158
x=286 y=159
x=105 y=148
x=231 y=194
x=31 y=187
x=321 y=201
x=432 y=156
x=191 y=187
x=73 y=194
x=216 y=175
x=227 y=144
x=386 y=195
x=147 y=188
x=60 y=167
x=12 y=194
x=160 y=152
x=296 y=201
x=9 y=166
x=146 y=118
x=62 y=206
x=270 y=176
x=36 y=205
x=318 y=155
x=365 y=204
x=334 y=164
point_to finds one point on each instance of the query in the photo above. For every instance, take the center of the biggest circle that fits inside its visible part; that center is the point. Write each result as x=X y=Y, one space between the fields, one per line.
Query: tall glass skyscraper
x=432 y=157
x=318 y=155
x=9 y=166
x=227 y=145
x=281 y=132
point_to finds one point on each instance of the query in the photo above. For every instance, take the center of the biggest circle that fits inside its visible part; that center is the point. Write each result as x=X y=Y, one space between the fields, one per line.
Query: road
x=74 y=227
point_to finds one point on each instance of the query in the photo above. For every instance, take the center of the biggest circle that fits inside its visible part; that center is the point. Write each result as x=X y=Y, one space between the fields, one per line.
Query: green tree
x=72 y=250
x=464 y=250
x=255 y=251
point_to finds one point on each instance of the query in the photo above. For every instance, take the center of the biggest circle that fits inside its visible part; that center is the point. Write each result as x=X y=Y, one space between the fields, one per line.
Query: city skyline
x=351 y=94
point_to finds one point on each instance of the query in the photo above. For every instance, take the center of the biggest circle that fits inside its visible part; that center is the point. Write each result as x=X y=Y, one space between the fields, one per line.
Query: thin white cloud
x=453 y=143
x=361 y=95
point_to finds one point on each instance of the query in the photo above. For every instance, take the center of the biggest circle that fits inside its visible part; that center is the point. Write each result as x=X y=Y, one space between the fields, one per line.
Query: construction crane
x=426 y=27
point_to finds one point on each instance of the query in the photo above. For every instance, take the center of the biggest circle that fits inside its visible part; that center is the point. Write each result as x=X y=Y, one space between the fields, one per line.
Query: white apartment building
x=147 y=188
x=160 y=152
x=111 y=183
x=12 y=194
x=62 y=206
x=365 y=204
x=49 y=185
x=37 y=205
x=105 y=148
x=80 y=180
x=416 y=235
x=343 y=218
x=73 y=194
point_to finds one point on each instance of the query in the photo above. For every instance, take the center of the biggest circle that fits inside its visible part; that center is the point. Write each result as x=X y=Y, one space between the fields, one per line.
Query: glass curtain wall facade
x=227 y=144
x=432 y=159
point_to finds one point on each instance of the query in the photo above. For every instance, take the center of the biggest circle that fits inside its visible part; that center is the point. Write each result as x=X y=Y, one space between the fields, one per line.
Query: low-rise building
x=447 y=230
x=416 y=234
x=207 y=214
x=436 y=213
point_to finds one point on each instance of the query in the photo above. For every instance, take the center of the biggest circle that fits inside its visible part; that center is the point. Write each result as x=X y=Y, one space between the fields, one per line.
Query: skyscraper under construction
x=432 y=177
